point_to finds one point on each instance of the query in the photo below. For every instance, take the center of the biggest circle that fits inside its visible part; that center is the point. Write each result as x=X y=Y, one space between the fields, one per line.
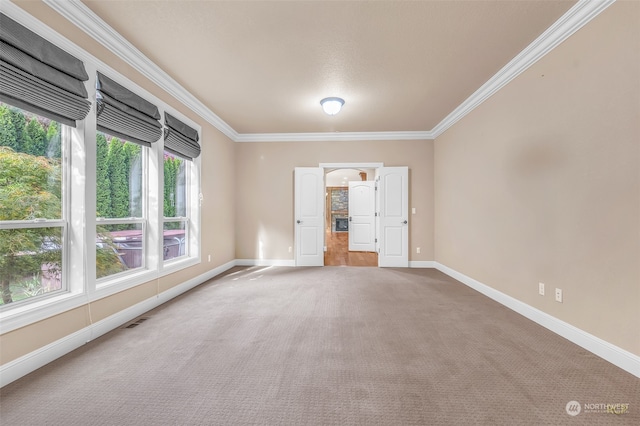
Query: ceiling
x=263 y=66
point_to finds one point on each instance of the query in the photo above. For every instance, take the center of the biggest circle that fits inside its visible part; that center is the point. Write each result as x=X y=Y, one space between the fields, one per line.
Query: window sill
x=108 y=286
x=171 y=266
x=29 y=313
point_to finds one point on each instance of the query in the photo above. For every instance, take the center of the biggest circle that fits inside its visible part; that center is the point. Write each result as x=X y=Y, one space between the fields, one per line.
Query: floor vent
x=137 y=322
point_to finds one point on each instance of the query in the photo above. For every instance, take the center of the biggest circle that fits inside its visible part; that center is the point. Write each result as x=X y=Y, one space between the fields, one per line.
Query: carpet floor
x=325 y=346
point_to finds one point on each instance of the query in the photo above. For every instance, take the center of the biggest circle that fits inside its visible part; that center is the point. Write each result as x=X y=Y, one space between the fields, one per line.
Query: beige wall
x=17 y=343
x=264 y=180
x=217 y=225
x=541 y=183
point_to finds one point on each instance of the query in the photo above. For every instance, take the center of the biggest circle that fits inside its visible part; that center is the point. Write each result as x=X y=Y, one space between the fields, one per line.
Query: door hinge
x=376 y=240
x=376 y=214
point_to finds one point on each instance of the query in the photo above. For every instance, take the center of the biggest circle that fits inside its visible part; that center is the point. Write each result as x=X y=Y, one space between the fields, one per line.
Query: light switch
x=413 y=210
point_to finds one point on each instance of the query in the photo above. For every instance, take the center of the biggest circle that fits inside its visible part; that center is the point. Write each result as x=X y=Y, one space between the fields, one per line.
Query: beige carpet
x=325 y=346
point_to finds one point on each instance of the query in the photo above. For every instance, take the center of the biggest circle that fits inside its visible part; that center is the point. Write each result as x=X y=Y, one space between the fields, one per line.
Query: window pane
x=119 y=248
x=175 y=194
x=175 y=241
x=30 y=262
x=30 y=166
x=118 y=177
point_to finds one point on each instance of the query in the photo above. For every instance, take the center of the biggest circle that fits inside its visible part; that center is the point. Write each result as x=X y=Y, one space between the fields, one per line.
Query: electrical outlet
x=418 y=250
x=209 y=258
x=290 y=249
x=541 y=289
x=559 y=295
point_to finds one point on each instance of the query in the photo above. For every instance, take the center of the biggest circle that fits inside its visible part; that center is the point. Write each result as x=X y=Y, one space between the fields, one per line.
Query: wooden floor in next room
x=338 y=253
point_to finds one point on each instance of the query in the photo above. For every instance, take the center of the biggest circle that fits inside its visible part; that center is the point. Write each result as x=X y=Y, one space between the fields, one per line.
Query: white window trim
x=82 y=285
x=66 y=289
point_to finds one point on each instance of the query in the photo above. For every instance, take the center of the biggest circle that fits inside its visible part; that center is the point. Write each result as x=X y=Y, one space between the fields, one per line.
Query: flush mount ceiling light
x=332 y=105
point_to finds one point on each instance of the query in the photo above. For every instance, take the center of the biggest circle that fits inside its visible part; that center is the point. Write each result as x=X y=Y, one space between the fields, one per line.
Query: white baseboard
x=24 y=365
x=605 y=350
x=289 y=262
x=114 y=321
x=265 y=262
x=165 y=296
x=422 y=264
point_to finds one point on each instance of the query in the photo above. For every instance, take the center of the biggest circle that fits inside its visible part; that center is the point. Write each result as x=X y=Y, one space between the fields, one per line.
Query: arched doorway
x=339 y=234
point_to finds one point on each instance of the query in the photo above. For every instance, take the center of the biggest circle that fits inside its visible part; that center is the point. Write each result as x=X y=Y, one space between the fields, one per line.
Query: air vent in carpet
x=137 y=322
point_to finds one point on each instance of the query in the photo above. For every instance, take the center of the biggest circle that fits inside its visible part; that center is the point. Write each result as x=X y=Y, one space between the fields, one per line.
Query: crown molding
x=574 y=19
x=84 y=18
x=333 y=136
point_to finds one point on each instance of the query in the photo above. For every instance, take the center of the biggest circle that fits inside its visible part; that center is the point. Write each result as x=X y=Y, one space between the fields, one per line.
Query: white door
x=309 y=216
x=393 y=191
x=362 y=204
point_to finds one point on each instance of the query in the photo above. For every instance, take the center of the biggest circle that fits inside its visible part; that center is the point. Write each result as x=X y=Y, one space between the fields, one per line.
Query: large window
x=32 y=207
x=120 y=205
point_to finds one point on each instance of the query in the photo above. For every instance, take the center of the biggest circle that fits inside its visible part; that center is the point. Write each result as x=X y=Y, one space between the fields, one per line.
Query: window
x=32 y=206
x=181 y=148
x=120 y=226
x=176 y=222
x=82 y=202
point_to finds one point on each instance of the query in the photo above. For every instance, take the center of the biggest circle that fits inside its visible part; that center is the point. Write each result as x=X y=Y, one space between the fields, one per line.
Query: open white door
x=309 y=216
x=393 y=192
x=362 y=204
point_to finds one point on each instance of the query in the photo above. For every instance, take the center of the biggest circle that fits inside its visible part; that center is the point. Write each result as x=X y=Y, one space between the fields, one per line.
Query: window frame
x=193 y=209
x=179 y=219
x=62 y=222
x=107 y=279
x=142 y=220
x=42 y=223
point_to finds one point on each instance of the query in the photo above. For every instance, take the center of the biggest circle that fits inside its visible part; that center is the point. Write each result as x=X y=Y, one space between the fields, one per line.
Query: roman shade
x=126 y=115
x=38 y=76
x=180 y=139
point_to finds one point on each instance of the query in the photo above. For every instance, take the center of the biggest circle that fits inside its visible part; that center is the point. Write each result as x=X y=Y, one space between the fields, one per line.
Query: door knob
x=405 y=222
x=298 y=221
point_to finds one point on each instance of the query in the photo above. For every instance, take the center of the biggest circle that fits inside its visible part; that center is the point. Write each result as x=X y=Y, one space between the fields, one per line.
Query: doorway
x=349 y=217
x=391 y=218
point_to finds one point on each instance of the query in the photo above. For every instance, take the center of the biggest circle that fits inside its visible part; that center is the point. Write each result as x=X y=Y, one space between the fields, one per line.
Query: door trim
x=350 y=166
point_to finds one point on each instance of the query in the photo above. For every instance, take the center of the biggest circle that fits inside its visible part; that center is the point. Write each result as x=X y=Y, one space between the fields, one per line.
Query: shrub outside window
x=32 y=206
x=120 y=205
x=175 y=212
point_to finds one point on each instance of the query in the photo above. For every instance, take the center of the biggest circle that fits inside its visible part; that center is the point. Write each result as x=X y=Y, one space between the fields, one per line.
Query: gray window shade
x=180 y=139
x=124 y=114
x=38 y=76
